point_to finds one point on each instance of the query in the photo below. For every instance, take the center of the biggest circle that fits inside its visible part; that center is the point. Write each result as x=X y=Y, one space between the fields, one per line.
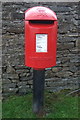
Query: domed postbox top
x=40 y=13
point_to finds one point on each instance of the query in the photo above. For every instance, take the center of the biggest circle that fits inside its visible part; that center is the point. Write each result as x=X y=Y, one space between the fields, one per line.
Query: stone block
x=74 y=59
x=16 y=27
x=65 y=46
x=73 y=34
x=73 y=28
x=10 y=91
x=61 y=53
x=60 y=9
x=75 y=22
x=78 y=43
x=25 y=78
x=64 y=74
x=9 y=85
x=65 y=29
x=22 y=71
x=21 y=67
x=24 y=90
x=6 y=81
x=15 y=30
x=74 y=51
x=10 y=76
x=65 y=59
x=6 y=15
x=17 y=16
x=10 y=70
x=49 y=74
x=30 y=82
x=66 y=39
x=77 y=73
x=73 y=69
x=54 y=79
x=21 y=83
x=56 y=69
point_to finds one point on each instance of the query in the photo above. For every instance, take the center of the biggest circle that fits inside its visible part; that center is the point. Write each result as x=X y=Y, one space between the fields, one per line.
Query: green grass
x=56 y=105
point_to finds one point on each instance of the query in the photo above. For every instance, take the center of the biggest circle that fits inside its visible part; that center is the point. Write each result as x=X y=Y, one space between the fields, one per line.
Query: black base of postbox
x=38 y=90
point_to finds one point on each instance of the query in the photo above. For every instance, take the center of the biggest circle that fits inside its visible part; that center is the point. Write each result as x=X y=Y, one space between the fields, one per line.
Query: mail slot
x=40 y=37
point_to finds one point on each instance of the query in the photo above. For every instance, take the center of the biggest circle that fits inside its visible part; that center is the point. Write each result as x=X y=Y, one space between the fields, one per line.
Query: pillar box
x=40 y=48
x=40 y=37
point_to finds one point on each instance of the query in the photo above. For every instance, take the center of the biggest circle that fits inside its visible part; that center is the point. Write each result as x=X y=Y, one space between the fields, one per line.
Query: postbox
x=40 y=37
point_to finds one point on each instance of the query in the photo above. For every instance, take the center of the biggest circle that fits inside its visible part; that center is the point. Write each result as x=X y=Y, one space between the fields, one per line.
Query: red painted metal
x=40 y=13
x=44 y=57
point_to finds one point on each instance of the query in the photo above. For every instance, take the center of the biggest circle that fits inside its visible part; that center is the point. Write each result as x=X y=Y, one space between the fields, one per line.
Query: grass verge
x=56 y=105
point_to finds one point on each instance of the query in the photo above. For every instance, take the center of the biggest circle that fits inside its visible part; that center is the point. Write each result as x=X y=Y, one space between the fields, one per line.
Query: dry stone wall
x=16 y=77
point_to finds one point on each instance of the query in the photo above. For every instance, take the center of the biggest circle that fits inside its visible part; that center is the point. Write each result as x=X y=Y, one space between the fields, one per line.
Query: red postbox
x=40 y=37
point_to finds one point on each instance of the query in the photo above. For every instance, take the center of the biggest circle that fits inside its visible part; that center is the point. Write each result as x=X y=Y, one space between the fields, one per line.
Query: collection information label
x=41 y=42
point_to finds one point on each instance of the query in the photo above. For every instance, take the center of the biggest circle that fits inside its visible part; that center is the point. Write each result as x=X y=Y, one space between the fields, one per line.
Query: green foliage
x=56 y=105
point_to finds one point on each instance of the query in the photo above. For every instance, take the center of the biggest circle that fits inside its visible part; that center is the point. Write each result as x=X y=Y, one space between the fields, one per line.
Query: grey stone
x=22 y=84
x=23 y=91
x=54 y=79
x=12 y=85
x=14 y=80
x=73 y=29
x=64 y=28
x=66 y=68
x=21 y=67
x=30 y=82
x=58 y=62
x=14 y=30
x=73 y=68
x=65 y=46
x=6 y=81
x=10 y=91
x=25 y=78
x=28 y=74
x=56 y=69
x=75 y=60
x=10 y=69
x=78 y=22
x=77 y=73
x=10 y=76
x=64 y=74
x=22 y=71
x=73 y=34
x=74 y=51
x=78 y=43
x=23 y=74
x=75 y=22
x=49 y=74
x=60 y=9
x=64 y=18
x=61 y=53
x=65 y=59
x=17 y=16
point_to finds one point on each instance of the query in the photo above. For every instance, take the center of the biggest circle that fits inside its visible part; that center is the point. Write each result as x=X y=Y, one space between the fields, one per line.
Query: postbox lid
x=40 y=13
